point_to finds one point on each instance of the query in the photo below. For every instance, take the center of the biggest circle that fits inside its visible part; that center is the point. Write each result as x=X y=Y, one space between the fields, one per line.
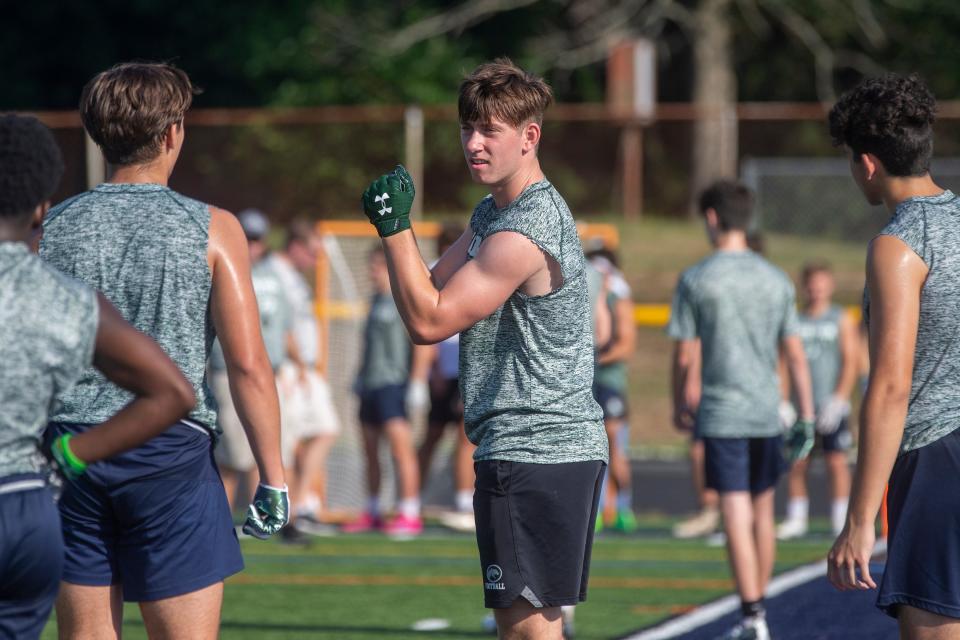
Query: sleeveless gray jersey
x=930 y=226
x=48 y=329
x=741 y=307
x=821 y=345
x=526 y=371
x=144 y=246
x=386 y=346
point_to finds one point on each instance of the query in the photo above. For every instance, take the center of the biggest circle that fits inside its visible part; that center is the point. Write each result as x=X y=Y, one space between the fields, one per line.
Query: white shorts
x=306 y=406
x=233 y=450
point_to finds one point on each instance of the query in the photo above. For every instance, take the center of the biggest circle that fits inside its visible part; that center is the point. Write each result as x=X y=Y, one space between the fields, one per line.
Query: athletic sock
x=838 y=514
x=464 y=500
x=624 y=500
x=409 y=507
x=798 y=509
x=309 y=506
x=373 y=506
x=752 y=609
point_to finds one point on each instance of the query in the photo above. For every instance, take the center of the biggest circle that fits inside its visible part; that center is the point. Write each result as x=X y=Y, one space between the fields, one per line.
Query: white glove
x=832 y=414
x=787 y=414
x=418 y=396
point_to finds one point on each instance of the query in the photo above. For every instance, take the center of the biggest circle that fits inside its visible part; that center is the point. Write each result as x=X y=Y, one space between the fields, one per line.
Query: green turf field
x=367 y=587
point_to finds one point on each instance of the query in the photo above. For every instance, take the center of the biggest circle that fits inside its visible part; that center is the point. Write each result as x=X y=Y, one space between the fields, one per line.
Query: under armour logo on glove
x=383 y=204
x=387 y=201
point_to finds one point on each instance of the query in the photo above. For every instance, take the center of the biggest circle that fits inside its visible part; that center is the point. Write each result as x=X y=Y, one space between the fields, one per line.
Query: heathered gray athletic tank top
x=931 y=227
x=526 y=371
x=48 y=329
x=821 y=344
x=144 y=246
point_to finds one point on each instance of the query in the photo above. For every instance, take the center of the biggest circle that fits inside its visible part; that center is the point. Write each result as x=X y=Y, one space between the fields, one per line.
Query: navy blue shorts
x=154 y=520
x=743 y=464
x=923 y=548
x=612 y=401
x=31 y=555
x=379 y=405
x=840 y=440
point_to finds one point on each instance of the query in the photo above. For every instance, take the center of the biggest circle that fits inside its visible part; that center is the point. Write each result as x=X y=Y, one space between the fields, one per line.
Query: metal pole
x=631 y=148
x=413 y=151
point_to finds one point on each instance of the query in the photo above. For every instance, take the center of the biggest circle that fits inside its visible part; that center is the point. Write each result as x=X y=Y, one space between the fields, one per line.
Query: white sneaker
x=702 y=524
x=748 y=629
x=791 y=529
x=459 y=521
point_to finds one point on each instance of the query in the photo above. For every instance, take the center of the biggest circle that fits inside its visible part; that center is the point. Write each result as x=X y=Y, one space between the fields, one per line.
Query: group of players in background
x=107 y=339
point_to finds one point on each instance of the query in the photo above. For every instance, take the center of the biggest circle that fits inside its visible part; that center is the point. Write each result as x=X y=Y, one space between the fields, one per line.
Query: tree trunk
x=714 y=97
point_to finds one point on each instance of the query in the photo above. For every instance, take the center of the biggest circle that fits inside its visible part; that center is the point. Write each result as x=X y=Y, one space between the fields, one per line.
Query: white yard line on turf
x=676 y=627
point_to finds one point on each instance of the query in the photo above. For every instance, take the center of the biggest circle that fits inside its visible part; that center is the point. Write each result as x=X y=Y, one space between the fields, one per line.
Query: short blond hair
x=128 y=108
x=501 y=90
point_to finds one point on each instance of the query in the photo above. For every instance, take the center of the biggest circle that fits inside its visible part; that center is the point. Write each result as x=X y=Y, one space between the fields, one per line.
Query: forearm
x=882 y=419
x=413 y=289
x=800 y=376
x=142 y=419
x=254 y=393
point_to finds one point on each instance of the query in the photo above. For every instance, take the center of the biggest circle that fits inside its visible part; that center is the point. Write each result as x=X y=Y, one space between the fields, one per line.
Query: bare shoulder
x=226 y=235
x=509 y=249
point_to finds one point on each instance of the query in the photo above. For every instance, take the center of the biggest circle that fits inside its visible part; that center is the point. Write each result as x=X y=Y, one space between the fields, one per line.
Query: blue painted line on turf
x=801 y=605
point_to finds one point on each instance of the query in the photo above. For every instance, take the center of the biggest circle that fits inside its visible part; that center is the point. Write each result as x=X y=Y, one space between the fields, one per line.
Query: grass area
x=654 y=251
x=368 y=587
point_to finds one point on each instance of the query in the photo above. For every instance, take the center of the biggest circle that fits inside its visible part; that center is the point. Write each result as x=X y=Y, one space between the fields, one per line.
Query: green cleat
x=626 y=522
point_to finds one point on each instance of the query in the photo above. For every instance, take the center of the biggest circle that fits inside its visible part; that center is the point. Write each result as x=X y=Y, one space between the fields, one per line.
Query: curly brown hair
x=890 y=117
x=30 y=165
x=127 y=109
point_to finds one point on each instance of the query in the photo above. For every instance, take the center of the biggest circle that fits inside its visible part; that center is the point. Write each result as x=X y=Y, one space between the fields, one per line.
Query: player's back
x=930 y=226
x=742 y=307
x=48 y=326
x=144 y=246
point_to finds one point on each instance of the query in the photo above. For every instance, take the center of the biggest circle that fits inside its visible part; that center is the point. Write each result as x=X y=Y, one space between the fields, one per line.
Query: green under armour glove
x=798 y=440
x=268 y=513
x=66 y=462
x=387 y=202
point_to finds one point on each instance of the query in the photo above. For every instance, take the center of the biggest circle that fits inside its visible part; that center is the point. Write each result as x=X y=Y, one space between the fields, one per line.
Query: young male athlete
x=830 y=343
x=310 y=424
x=738 y=310
x=43 y=355
x=152 y=525
x=382 y=387
x=610 y=388
x=514 y=286
x=911 y=412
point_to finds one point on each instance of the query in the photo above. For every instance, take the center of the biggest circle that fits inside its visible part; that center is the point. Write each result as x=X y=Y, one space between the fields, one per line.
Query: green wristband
x=76 y=465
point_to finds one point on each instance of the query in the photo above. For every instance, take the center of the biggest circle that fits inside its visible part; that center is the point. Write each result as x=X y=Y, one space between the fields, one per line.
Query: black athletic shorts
x=446 y=407
x=535 y=530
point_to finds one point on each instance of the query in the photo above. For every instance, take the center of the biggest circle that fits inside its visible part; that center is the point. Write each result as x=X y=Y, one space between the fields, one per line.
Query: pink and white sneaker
x=366 y=522
x=404 y=527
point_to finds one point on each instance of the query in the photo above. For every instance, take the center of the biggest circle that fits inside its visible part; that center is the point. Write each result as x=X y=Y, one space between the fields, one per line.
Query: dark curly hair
x=30 y=165
x=890 y=117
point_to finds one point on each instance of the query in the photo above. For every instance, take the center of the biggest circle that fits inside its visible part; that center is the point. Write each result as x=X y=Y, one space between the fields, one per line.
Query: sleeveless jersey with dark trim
x=930 y=226
x=48 y=329
x=821 y=344
x=526 y=371
x=144 y=246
